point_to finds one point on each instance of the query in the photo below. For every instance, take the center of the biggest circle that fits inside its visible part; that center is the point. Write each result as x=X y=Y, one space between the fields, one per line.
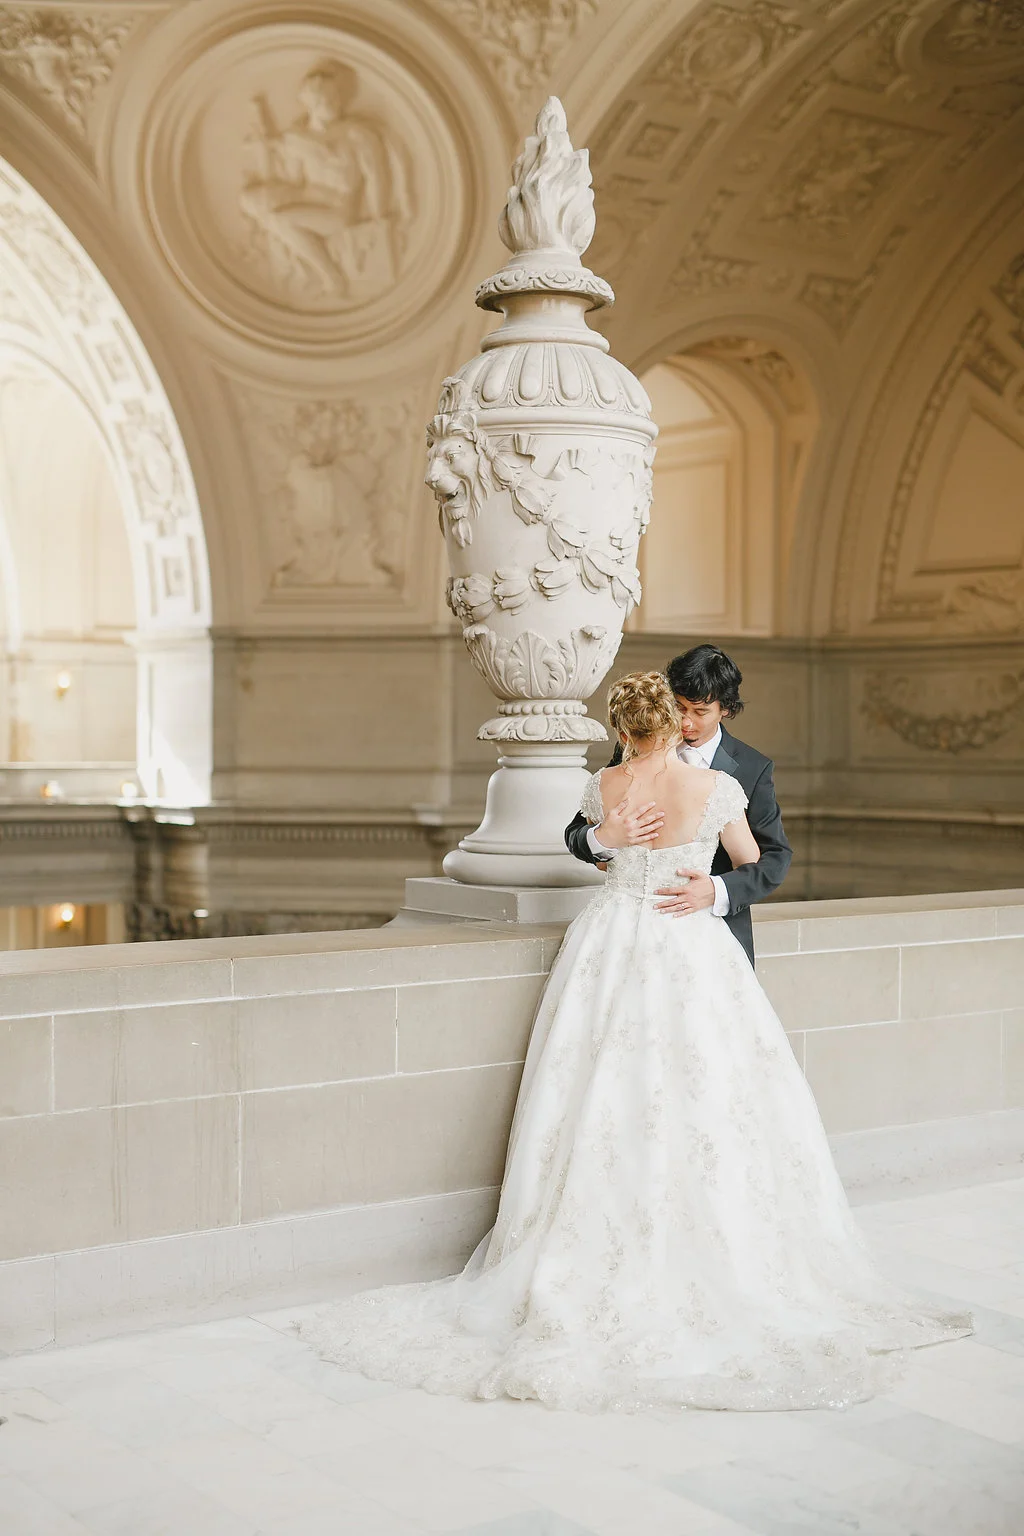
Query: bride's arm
x=740 y=843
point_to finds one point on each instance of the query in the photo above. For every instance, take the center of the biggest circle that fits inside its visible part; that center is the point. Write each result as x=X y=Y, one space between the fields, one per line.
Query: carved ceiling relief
x=831 y=184
x=62 y=56
x=334 y=479
x=522 y=39
x=902 y=102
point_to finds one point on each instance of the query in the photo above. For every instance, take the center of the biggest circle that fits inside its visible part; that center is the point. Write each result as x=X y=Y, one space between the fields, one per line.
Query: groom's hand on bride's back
x=625 y=828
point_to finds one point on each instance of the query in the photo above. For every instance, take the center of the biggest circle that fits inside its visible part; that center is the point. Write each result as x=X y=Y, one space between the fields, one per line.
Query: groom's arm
x=576 y=831
x=753 y=882
x=576 y=839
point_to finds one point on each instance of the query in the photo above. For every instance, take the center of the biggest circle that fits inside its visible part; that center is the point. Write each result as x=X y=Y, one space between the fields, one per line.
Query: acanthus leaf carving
x=541 y=681
x=65 y=55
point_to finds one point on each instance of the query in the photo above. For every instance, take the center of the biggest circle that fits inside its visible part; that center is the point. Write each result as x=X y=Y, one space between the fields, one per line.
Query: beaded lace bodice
x=640 y=871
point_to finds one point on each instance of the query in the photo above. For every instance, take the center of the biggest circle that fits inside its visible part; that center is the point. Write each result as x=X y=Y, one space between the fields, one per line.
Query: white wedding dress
x=672 y=1230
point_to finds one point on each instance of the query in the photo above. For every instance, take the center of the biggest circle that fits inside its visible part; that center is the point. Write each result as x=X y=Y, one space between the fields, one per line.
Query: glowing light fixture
x=51 y=790
x=200 y=912
x=63 y=683
x=67 y=914
x=129 y=790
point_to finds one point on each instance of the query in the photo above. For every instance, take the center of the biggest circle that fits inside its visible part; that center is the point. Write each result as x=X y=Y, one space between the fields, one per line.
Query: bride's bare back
x=681 y=793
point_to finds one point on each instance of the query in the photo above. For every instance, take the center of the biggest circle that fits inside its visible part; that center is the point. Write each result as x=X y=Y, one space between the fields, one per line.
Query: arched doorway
x=102 y=550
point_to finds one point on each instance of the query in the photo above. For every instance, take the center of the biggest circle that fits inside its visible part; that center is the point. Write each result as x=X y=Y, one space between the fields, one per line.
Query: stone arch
x=59 y=318
x=737 y=424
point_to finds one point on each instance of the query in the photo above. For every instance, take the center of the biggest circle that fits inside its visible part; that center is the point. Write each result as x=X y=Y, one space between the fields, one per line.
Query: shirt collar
x=708 y=750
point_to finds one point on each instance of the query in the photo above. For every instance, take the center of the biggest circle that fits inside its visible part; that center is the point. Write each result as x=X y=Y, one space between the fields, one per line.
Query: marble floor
x=234 y=1429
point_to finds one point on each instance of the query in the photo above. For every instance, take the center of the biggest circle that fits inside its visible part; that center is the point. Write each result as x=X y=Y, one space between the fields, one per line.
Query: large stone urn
x=540 y=458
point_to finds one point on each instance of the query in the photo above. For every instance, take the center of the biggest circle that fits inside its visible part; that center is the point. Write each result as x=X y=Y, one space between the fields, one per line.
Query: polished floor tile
x=234 y=1429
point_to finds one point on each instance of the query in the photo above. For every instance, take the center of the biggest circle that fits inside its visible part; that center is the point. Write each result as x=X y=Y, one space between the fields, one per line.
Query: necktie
x=693 y=756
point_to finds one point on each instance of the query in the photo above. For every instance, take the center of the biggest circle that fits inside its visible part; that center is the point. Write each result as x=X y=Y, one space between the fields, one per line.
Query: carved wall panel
x=62 y=57
x=326 y=193
x=336 y=482
x=918 y=710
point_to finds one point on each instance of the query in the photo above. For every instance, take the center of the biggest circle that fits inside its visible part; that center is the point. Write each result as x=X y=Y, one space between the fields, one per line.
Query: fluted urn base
x=530 y=801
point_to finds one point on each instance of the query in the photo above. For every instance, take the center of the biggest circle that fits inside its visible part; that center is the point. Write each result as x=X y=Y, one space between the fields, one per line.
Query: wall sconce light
x=129 y=790
x=51 y=790
x=200 y=912
x=66 y=914
x=63 y=683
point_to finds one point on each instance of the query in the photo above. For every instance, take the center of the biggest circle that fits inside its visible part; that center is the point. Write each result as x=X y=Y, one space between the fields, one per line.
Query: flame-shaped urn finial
x=540 y=459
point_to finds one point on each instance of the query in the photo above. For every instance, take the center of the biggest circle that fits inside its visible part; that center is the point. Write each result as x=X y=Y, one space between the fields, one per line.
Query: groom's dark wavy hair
x=706 y=675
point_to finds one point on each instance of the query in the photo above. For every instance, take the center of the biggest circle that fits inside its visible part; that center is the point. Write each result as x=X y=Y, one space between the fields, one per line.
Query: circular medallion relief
x=304 y=186
x=966 y=40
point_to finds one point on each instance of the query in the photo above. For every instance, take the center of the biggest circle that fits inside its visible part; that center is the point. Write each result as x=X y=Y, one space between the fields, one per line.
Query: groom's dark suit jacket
x=751 y=882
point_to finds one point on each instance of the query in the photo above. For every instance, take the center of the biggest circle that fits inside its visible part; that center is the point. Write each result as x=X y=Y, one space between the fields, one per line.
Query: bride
x=672 y=1230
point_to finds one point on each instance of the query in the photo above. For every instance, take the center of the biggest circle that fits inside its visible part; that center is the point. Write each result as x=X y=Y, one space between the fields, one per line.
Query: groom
x=706 y=683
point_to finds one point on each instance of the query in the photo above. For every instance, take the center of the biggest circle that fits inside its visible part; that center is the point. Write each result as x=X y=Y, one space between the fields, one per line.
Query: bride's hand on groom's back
x=625 y=828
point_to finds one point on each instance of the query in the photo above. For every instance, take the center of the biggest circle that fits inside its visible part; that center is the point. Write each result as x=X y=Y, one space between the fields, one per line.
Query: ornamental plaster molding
x=853 y=113
x=333 y=485
x=700 y=270
x=973 y=352
x=839 y=300
x=521 y=39
x=833 y=180
x=986 y=604
x=891 y=702
x=86 y=339
x=63 y=56
x=720 y=56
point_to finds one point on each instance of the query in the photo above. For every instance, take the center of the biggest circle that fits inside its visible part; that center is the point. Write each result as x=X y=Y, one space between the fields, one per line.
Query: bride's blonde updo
x=642 y=707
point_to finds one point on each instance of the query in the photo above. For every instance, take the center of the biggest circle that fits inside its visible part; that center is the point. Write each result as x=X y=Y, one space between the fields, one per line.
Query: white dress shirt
x=697 y=757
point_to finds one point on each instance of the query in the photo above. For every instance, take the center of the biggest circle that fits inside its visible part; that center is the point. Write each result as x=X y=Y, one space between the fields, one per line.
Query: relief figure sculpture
x=329 y=195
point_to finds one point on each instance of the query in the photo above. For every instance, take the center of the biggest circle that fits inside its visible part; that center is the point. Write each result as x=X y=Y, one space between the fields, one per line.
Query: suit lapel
x=723 y=759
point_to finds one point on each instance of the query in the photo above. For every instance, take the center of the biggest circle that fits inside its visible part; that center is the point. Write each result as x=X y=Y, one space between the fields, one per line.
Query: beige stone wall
x=180 y=1129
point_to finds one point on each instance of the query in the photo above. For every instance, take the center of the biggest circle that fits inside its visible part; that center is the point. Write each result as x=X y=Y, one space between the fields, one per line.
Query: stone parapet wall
x=186 y=1128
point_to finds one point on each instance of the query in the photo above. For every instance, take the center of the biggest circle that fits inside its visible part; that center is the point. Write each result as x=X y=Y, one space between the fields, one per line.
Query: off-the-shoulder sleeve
x=591 y=804
x=730 y=800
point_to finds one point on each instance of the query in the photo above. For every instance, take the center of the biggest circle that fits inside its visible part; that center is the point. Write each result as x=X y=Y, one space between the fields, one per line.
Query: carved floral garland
x=883 y=704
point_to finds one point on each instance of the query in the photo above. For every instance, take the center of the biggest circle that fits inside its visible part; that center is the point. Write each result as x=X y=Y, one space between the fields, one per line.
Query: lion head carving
x=464 y=467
